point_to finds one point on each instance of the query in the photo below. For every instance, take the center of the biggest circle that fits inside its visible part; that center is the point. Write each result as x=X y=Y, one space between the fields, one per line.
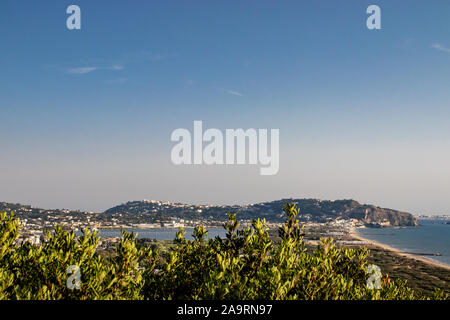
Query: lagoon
x=160 y=233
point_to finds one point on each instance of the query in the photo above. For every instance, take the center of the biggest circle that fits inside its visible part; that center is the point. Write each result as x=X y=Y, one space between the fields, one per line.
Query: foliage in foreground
x=245 y=265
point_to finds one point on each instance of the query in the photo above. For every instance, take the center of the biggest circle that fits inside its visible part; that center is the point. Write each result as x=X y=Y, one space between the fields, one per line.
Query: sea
x=160 y=233
x=431 y=237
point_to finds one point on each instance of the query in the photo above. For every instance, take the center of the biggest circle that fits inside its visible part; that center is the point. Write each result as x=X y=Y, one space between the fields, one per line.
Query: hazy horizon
x=87 y=115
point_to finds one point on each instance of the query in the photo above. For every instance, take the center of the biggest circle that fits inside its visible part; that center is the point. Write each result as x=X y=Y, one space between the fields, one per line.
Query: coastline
x=356 y=235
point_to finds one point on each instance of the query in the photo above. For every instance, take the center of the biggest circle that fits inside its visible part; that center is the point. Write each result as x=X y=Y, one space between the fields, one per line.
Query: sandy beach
x=354 y=233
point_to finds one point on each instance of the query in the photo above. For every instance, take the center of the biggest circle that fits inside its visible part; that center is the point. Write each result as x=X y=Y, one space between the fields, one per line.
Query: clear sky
x=86 y=115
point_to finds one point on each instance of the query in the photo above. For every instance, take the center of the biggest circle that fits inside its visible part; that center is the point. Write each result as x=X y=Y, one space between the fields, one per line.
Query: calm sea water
x=432 y=236
x=160 y=234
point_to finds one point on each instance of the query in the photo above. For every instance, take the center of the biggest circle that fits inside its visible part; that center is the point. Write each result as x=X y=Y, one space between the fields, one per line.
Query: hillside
x=311 y=210
x=152 y=211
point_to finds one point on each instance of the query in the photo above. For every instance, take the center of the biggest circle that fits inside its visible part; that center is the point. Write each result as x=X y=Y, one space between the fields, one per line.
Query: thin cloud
x=189 y=84
x=408 y=43
x=147 y=55
x=81 y=70
x=143 y=56
x=235 y=93
x=440 y=47
x=119 y=63
x=117 y=67
x=118 y=80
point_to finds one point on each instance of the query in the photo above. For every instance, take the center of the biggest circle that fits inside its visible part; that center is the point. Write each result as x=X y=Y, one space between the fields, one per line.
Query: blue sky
x=86 y=115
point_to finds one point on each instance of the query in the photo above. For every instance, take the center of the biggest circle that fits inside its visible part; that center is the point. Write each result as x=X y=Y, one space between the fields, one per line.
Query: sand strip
x=354 y=233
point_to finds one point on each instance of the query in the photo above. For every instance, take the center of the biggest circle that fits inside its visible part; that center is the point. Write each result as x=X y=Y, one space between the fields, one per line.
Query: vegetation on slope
x=244 y=265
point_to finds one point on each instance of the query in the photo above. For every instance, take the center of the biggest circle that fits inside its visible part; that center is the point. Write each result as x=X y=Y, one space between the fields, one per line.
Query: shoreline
x=356 y=235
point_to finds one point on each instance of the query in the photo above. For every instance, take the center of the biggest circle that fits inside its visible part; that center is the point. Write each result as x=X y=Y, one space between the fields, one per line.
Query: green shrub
x=244 y=265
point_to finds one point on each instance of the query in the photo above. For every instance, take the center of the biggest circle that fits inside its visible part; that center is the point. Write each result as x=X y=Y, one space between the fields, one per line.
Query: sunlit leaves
x=246 y=264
